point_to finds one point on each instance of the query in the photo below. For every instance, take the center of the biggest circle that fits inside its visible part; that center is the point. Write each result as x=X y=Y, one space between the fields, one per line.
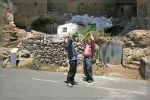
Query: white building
x=67 y=28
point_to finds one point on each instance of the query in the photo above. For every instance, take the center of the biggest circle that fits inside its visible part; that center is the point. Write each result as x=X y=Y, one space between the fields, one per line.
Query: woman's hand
x=91 y=36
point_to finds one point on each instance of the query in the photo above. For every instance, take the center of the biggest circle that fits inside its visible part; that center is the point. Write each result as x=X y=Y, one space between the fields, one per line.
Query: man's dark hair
x=70 y=40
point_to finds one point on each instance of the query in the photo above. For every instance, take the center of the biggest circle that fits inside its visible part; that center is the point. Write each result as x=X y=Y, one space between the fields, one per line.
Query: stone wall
x=145 y=68
x=92 y=7
x=135 y=54
x=51 y=52
x=50 y=49
x=24 y=15
x=142 y=8
x=29 y=10
x=145 y=61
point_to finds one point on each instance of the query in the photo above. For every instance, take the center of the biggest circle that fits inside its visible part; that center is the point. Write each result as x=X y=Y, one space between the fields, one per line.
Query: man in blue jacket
x=72 y=56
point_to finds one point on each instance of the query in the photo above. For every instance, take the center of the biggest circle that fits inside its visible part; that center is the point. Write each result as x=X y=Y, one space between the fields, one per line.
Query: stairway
x=133 y=65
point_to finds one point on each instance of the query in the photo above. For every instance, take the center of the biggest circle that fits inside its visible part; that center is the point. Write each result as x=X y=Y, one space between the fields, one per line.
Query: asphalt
x=16 y=84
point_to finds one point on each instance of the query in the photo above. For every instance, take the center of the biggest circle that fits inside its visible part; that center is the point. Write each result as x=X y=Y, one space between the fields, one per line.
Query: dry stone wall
x=51 y=52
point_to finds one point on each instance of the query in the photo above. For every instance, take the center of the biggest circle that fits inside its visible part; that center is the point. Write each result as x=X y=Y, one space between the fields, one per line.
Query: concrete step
x=132 y=66
x=136 y=63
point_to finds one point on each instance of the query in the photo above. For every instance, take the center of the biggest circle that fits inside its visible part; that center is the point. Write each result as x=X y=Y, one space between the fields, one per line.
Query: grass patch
x=95 y=69
x=34 y=65
x=2 y=65
x=37 y=65
x=98 y=70
x=140 y=77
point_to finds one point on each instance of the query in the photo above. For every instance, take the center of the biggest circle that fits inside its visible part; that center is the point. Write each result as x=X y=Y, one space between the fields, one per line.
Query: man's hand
x=88 y=33
x=66 y=40
x=91 y=36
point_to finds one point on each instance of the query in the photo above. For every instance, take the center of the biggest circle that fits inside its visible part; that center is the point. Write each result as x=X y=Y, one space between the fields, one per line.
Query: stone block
x=145 y=68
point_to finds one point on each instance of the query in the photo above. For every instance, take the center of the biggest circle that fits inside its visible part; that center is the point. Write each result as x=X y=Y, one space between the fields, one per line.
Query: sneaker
x=90 y=81
x=85 y=79
x=69 y=85
x=66 y=81
x=74 y=83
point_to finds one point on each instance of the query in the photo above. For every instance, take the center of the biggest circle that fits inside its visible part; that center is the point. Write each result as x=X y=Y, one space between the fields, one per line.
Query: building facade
x=91 y=7
x=28 y=11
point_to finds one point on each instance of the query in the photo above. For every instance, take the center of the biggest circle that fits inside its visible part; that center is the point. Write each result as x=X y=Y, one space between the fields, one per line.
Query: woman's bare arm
x=83 y=40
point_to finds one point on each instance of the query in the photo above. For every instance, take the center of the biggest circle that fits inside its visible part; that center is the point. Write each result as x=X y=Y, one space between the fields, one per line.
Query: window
x=82 y=4
x=122 y=10
x=94 y=4
x=65 y=29
x=35 y=4
x=51 y=4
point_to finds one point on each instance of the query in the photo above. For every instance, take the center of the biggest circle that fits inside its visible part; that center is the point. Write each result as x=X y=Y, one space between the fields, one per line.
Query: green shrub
x=75 y=36
x=92 y=30
x=104 y=34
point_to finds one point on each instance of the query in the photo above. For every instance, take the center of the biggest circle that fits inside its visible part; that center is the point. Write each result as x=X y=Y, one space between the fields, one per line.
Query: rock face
x=50 y=52
x=135 y=54
x=145 y=68
x=12 y=34
x=4 y=53
x=136 y=43
x=24 y=54
x=139 y=38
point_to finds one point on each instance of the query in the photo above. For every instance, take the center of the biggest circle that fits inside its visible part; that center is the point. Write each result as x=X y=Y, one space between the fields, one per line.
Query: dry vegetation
x=116 y=71
x=35 y=65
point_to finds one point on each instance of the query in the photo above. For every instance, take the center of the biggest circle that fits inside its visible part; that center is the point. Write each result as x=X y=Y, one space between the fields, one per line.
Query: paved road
x=18 y=84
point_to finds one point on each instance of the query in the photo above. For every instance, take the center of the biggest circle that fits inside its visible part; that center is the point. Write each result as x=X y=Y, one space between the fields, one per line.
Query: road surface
x=16 y=84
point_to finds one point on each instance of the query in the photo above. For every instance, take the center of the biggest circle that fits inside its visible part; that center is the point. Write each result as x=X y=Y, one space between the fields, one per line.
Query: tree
x=1 y=19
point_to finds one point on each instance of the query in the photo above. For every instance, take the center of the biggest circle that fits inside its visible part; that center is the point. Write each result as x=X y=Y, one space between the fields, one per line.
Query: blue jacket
x=72 y=54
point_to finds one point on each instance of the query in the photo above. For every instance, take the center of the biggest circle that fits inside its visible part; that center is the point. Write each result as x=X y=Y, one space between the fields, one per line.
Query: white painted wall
x=70 y=28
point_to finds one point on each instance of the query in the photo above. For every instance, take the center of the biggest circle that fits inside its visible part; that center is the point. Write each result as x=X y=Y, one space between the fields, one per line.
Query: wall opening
x=122 y=10
x=46 y=25
x=35 y=4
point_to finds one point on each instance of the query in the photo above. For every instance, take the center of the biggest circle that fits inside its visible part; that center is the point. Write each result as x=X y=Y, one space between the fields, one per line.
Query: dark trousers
x=87 y=67
x=72 y=70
